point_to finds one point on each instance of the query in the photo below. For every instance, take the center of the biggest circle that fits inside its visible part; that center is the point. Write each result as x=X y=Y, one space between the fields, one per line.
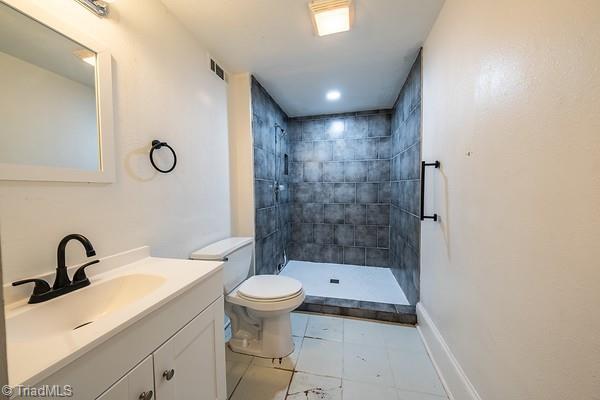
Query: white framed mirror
x=56 y=111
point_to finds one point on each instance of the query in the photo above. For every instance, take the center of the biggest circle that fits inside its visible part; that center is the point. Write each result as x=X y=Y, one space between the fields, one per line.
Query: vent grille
x=218 y=70
x=318 y=6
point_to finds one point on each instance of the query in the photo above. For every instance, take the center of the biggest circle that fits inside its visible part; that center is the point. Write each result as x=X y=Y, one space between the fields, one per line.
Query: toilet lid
x=269 y=287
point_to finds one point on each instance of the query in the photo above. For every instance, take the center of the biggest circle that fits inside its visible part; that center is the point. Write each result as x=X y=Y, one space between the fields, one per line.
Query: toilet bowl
x=258 y=306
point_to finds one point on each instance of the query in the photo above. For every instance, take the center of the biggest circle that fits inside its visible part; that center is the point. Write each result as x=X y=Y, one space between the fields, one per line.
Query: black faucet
x=62 y=283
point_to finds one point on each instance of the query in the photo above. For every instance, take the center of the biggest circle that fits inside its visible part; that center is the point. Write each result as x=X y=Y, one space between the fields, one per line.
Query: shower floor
x=373 y=284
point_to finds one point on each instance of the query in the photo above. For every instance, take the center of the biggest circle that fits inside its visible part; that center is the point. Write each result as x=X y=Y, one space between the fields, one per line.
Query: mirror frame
x=104 y=108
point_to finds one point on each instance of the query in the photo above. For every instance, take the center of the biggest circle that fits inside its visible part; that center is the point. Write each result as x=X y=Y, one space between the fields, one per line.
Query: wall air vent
x=218 y=70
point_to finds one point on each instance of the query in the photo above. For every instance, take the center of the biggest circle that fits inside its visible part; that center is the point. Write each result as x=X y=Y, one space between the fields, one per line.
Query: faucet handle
x=41 y=286
x=80 y=273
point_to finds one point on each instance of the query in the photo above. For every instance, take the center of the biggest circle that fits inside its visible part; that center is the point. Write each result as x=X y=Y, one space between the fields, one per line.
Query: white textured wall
x=162 y=89
x=241 y=154
x=511 y=276
x=47 y=119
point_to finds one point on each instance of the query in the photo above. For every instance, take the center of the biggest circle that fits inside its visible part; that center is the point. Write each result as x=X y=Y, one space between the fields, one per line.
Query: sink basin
x=80 y=308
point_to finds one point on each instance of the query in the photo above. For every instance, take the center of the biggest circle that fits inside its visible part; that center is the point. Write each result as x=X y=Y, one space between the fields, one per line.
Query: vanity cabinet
x=190 y=365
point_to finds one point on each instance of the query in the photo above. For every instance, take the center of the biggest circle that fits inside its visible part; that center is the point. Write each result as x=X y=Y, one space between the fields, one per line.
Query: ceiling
x=274 y=40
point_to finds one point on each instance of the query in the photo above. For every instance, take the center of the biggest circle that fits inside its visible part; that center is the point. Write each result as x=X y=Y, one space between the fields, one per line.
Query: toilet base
x=258 y=333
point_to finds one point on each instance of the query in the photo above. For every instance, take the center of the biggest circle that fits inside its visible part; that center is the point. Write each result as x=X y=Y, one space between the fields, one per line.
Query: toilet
x=258 y=306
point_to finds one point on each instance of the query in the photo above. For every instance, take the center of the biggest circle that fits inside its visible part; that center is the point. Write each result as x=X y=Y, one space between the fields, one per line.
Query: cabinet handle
x=169 y=374
x=146 y=395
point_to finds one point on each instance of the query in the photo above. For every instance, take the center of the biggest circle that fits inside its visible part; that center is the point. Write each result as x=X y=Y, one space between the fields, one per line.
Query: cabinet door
x=138 y=384
x=191 y=365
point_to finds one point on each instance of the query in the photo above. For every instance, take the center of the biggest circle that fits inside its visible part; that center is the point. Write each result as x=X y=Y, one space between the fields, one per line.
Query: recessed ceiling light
x=333 y=95
x=331 y=16
x=87 y=56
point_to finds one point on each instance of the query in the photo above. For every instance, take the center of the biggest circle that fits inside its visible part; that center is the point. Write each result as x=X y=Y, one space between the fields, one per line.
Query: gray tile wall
x=272 y=215
x=405 y=186
x=340 y=188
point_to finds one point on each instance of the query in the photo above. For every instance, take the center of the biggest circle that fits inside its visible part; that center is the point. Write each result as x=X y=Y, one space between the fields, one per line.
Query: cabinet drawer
x=131 y=387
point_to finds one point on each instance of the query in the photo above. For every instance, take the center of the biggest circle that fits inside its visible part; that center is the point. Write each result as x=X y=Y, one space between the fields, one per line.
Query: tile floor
x=339 y=358
x=374 y=284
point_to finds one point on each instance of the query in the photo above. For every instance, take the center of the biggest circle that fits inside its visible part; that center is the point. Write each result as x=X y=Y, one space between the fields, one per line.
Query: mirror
x=51 y=106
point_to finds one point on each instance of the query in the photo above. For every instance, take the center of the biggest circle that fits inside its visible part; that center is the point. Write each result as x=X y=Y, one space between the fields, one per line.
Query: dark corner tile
x=366 y=236
x=344 y=192
x=356 y=214
x=355 y=171
x=344 y=235
x=380 y=125
x=333 y=171
x=367 y=193
x=312 y=171
x=323 y=233
x=379 y=171
x=354 y=255
x=378 y=214
x=383 y=237
x=334 y=214
x=378 y=257
x=312 y=213
x=323 y=192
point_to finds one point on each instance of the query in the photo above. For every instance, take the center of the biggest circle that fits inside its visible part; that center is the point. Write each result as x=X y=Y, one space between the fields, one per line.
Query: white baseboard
x=453 y=377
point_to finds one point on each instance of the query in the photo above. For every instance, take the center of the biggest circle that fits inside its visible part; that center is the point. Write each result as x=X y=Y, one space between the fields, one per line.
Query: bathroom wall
x=340 y=183
x=241 y=154
x=272 y=228
x=510 y=275
x=405 y=220
x=162 y=89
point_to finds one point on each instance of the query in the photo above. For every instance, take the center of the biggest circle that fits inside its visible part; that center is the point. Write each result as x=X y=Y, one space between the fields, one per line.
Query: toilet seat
x=269 y=288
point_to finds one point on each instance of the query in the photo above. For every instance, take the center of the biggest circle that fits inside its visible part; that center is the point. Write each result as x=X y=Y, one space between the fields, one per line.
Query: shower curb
x=399 y=313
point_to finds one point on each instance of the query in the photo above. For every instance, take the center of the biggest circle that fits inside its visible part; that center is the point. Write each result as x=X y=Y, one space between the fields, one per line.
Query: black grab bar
x=424 y=164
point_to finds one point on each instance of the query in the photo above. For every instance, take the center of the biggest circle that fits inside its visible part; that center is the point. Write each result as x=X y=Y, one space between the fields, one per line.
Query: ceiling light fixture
x=99 y=7
x=331 y=16
x=333 y=95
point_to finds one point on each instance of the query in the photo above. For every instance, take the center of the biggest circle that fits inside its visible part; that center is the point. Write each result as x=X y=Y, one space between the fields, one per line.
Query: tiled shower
x=340 y=189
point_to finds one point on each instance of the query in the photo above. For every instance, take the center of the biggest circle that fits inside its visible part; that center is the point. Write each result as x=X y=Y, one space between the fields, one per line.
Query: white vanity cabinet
x=190 y=365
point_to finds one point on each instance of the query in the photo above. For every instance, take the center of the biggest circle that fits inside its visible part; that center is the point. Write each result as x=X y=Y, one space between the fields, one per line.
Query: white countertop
x=34 y=354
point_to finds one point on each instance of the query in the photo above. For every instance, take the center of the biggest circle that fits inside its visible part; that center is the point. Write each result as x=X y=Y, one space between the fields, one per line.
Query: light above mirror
x=99 y=7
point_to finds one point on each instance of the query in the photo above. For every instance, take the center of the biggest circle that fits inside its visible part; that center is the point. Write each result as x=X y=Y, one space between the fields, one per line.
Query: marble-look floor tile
x=321 y=357
x=353 y=390
x=314 y=387
x=327 y=328
x=368 y=364
x=363 y=332
x=406 y=395
x=235 y=366
x=287 y=363
x=299 y=322
x=261 y=383
x=405 y=338
x=413 y=371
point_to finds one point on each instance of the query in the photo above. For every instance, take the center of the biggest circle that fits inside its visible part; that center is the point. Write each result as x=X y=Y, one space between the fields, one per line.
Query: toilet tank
x=236 y=252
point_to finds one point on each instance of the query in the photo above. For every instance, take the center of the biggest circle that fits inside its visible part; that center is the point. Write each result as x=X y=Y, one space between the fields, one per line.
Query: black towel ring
x=157 y=144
